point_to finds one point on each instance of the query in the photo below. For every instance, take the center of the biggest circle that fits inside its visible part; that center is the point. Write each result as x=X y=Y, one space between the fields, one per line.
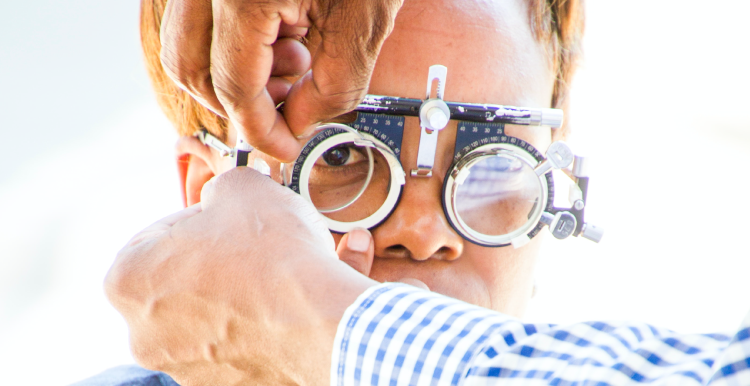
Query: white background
x=660 y=105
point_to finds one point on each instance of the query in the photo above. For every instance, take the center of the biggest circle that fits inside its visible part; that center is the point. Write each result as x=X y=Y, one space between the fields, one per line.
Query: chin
x=446 y=278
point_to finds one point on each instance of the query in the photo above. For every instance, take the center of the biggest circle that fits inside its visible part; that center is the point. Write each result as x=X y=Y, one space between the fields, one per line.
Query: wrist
x=329 y=288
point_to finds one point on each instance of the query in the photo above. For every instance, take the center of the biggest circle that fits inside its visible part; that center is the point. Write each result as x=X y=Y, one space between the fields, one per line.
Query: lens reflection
x=499 y=196
x=338 y=177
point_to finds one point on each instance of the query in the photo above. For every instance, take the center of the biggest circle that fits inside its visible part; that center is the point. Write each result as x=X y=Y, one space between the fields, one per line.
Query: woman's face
x=492 y=57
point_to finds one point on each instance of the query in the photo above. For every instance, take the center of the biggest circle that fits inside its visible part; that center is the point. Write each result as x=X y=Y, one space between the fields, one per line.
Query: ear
x=196 y=164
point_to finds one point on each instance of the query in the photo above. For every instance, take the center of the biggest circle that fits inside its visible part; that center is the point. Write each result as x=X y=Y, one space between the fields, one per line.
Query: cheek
x=336 y=238
x=508 y=274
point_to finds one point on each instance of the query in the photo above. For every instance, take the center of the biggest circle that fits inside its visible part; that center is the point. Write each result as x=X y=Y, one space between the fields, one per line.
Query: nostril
x=401 y=251
x=397 y=250
x=445 y=253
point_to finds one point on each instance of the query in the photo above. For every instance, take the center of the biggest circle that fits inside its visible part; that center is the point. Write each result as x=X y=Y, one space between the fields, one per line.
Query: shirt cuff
x=409 y=336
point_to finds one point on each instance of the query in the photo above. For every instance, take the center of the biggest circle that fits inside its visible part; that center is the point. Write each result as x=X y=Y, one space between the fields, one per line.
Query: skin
x=248 y=287
x=507 y=66
x=234 y=56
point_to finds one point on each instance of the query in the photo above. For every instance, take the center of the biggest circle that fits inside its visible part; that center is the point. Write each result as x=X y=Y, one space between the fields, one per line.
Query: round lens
x=349 y=182
x=500 y=195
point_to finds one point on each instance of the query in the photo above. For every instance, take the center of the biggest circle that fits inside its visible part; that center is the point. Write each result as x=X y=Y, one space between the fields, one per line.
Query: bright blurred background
x=660 y=106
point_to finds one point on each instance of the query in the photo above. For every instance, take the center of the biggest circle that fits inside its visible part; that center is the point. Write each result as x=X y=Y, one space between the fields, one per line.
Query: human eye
x=342 y=165
x=343 y=155
x=500 y=168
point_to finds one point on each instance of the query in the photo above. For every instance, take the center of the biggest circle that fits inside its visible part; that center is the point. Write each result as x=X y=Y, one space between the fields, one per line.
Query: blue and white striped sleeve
x=395 y=334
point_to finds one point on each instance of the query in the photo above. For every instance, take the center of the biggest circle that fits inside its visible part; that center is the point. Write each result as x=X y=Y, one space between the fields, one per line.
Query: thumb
x=164 y=225
x=341 y=70
x=357 y=249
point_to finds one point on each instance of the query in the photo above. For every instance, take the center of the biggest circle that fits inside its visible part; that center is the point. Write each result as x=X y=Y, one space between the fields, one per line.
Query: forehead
x=488 y=47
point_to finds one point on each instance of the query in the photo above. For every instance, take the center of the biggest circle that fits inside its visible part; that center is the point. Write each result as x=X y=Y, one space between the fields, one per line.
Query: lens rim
x=335 y=134
x=523 y=151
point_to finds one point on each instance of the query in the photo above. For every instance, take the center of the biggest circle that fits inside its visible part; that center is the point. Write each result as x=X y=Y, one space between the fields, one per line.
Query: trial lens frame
x=479 y=124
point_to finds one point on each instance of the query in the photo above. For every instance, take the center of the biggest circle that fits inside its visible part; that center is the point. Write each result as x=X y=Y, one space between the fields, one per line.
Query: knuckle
x=228 y=90
x=235 y=179
x=123 y=284
x=193 y=78
x=118 y=278
x=340 y=95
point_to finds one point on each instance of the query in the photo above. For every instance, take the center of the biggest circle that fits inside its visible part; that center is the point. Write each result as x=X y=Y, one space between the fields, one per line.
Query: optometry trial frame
x=499 y=190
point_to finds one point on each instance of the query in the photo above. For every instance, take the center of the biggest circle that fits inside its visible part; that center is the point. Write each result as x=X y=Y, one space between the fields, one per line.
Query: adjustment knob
x=437 y=118
x=592 y=232
x=561 y=225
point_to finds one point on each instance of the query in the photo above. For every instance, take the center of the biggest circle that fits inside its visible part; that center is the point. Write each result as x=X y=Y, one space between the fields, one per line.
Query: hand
x=234 y=57
x=243 y=288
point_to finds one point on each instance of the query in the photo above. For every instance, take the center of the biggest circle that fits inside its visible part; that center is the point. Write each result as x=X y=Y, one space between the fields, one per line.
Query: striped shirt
x=396 y=334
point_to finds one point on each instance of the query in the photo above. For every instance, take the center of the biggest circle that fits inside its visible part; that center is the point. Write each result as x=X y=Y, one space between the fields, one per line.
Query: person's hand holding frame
x=271 y=316
x=235 y=57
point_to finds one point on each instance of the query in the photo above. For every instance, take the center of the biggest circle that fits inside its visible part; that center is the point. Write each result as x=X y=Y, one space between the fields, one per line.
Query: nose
x=418 y=229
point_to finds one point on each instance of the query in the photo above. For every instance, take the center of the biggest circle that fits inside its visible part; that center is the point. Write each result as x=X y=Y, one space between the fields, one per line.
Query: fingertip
x=290 y=58
x=359 y=240
x=278 y=88
x=356 y=249
x=280 y=143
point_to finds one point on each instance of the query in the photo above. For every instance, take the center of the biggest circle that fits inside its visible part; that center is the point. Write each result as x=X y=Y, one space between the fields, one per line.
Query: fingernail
x=358 y=240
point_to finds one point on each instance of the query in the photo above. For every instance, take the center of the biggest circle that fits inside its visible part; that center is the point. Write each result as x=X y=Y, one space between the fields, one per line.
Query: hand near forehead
x=243 y=288
x=234 y=57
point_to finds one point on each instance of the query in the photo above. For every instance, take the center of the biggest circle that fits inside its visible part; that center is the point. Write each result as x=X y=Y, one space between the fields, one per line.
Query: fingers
x=278 y=88
x=274 y=209
x=162 y=226
x=294 y=31
x=225 y=55
x=242 y=61
x=357 y=249
x=290 y=57
x=352 y=34
x=185 y=49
